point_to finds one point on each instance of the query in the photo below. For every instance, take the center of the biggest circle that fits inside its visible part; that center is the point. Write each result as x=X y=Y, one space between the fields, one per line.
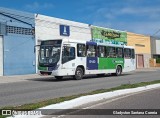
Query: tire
x=79 y=73
x=118 y=71
x=58 y=77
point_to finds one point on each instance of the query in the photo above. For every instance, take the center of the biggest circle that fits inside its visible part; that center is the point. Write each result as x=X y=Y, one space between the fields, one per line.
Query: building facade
x=142 y=46
x=21 y=31
x=155 y=47
x=16 y=42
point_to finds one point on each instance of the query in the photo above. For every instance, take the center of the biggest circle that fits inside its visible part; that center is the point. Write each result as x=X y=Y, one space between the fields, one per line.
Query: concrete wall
x=146 y=60
x=140 y=42
x=155 y=46
x=18 y=48
x=48 y=28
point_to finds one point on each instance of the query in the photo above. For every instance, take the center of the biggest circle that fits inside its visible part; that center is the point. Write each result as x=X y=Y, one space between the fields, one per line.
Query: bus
x=69 y=57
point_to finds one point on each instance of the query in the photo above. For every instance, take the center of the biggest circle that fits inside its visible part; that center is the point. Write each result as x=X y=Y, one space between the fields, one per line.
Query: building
x=21 y=31
x=142 y=46
x=17 y=42
x=155 y=47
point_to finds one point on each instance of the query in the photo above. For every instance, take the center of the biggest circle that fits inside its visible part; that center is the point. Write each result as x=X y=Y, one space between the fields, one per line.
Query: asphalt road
x=143 y=100
x=39 y=89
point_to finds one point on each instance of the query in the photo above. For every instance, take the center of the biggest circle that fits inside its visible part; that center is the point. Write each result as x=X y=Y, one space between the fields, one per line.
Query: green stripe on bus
x=110 y=63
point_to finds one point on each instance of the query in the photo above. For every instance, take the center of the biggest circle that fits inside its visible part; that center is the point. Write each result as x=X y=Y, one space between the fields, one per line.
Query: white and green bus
x=68 y=57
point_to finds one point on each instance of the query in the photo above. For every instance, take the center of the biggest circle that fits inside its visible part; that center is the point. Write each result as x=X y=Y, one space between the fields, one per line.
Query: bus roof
x=84 y=42
x=128 y=46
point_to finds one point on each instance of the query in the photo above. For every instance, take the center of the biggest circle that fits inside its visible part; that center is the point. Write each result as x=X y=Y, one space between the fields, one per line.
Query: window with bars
x=19 y=30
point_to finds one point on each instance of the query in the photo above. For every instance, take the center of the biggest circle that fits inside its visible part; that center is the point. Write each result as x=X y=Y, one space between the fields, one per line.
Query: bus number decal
x=92 y=63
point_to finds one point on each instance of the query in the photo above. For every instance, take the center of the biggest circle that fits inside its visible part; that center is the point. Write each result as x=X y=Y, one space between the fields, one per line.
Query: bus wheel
x=118 y=71
x=58 y=77
x=78 y=73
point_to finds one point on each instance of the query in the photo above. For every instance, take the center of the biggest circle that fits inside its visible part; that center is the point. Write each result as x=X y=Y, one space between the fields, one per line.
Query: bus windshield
x=49 y=53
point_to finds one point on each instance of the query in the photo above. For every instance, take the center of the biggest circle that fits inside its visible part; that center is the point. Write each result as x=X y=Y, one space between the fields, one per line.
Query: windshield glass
x=49 y=53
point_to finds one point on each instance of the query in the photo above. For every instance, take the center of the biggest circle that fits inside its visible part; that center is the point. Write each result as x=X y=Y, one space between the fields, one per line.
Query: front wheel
x=78 y=74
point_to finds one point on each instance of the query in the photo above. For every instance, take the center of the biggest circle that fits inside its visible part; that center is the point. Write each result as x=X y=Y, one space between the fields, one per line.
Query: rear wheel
x=118 y=71
x=58 y=77
x=79 y=73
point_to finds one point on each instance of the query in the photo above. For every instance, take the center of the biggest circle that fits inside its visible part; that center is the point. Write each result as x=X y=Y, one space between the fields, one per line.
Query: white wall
x=48 y=28
x=1 y=56
x=157 y=46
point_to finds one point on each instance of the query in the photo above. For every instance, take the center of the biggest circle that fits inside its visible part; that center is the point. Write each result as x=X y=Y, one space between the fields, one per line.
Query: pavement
x=22 y=78
x=148 y=69
x=23 y=89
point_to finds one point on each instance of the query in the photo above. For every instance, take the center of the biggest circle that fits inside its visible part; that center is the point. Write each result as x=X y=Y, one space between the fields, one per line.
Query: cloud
x=147 y=28
x=137 y=18
x=151 y=12
x=38 y=6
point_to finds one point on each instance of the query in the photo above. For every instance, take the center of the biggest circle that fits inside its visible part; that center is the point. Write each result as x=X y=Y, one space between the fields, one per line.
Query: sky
x=138 y=16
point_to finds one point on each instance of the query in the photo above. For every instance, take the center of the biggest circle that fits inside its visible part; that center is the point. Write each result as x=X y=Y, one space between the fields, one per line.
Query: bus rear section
x=129 y=59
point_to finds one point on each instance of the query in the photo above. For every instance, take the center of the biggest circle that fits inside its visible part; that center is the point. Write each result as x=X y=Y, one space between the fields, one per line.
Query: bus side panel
x=92 y=63
x=130 y=65
x=110 y=63
x=103 y=63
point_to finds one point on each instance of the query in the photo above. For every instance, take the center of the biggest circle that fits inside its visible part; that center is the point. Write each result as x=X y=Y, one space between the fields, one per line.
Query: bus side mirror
x=35 y=47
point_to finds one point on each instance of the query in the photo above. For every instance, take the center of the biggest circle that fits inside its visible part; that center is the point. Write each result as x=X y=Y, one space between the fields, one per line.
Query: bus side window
x=81 y=50
x=127 y=53
x=101 y=51
x=107 y=52
x=133 y=54
x=111 y=52
x=91 y=51
x=119 y=52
